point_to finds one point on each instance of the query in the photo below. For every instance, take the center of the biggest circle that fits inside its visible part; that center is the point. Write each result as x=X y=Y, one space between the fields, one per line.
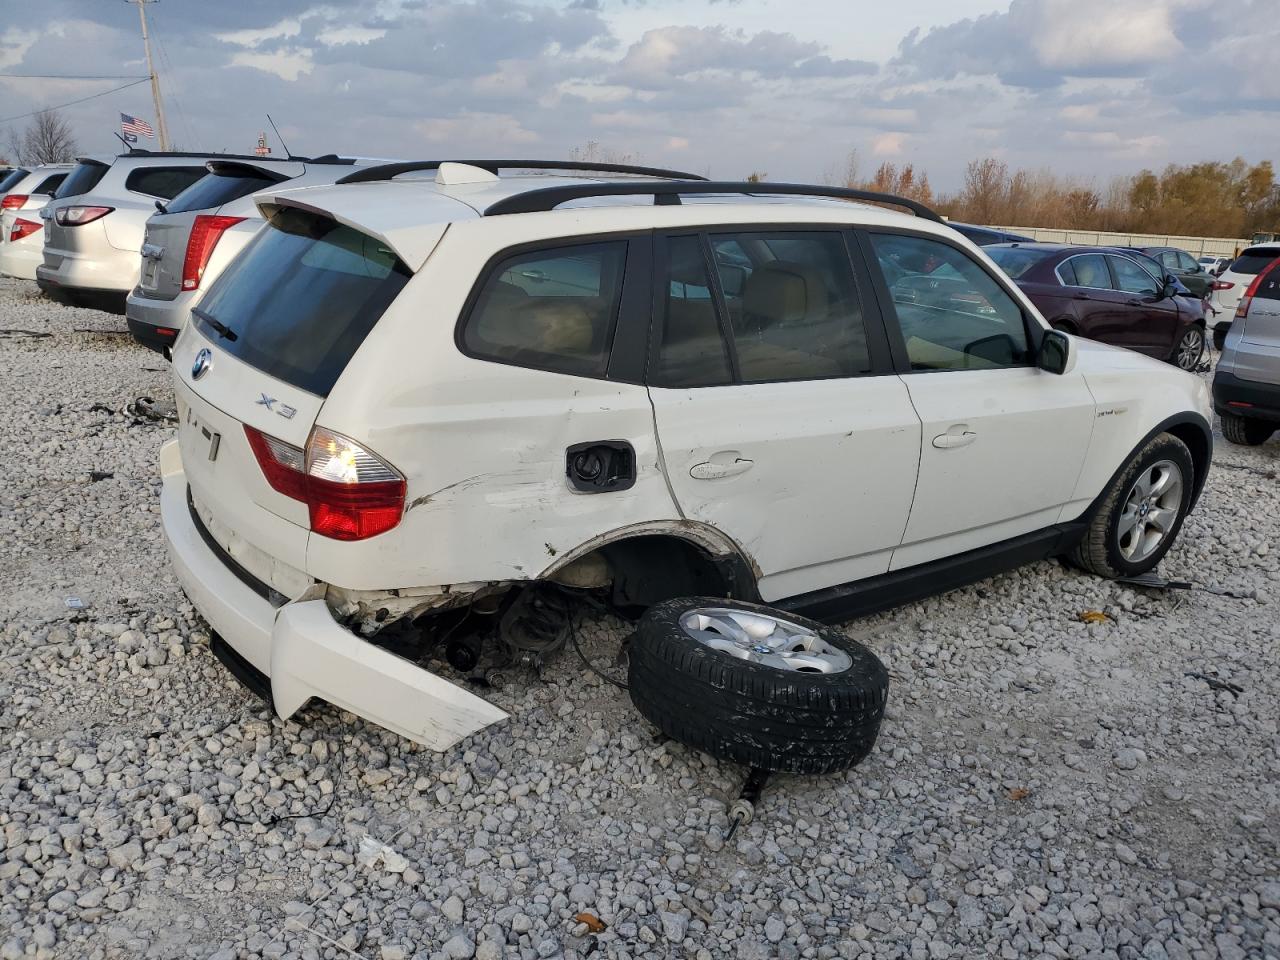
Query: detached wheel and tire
x=1142 y=512
x=1190 y=349
x=757 y=686
x=1245 y=431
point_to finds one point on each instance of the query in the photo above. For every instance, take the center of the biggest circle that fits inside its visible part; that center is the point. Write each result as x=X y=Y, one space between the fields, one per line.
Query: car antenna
x=127 y=145
x=288 y=154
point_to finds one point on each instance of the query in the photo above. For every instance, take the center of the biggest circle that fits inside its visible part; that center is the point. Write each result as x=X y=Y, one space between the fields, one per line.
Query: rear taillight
x=79 y=216
x=1221 y=285
x=23 y=228
x=350 y=493
x=13 y=201
x=205 y=234
x=1242 y=308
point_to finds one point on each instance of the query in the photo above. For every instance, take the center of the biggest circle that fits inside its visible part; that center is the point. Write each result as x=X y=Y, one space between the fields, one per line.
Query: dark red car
x=1105 y=294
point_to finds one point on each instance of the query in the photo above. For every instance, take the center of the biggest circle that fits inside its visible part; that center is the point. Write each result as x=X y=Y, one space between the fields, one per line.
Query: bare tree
x=985 y=188
x=47 y=139
x=594 y=152
x=757 y=176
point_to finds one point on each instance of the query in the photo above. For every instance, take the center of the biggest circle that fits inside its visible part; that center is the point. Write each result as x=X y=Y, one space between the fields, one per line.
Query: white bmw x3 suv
x=414 y=394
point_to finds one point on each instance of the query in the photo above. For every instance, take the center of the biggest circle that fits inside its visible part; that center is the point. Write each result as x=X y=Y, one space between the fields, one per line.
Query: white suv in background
x=200 y=231
x=20 y=204
x=1231 y=284
x=93 y=228
x=416 y=401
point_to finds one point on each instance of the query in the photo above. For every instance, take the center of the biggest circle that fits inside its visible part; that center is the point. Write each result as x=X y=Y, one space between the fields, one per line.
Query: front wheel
x=1142 y=512
x=1246 y=432
x=1190 y=349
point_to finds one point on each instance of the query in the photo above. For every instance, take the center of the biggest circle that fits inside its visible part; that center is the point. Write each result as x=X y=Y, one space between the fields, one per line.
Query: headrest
x=781 y=291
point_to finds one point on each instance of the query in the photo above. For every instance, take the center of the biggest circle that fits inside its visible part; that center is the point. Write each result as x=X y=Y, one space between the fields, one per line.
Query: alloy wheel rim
x=1150 y=511
x=1190 y=349
x=764 y=639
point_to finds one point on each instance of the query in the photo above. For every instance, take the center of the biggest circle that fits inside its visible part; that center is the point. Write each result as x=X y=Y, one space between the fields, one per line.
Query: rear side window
x=215 y=189
x=49 y=184
x=301 y=298
x=163 y=182
x=550 y=309
x=1251 y=261
x=86 y=175
x=952 y=313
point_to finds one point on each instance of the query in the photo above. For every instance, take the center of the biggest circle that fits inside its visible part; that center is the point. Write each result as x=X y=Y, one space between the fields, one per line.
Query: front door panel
x=813 y=480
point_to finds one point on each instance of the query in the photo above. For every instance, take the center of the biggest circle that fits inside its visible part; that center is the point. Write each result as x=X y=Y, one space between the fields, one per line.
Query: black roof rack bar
x=548 y=198
x=387 y=171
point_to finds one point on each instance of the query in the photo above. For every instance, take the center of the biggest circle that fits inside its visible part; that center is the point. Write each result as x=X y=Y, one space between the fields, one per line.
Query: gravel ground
x=1042 y=786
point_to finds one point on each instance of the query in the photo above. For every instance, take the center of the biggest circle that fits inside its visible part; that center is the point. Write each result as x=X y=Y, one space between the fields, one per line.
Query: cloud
x=667 y=54
x=287 y=64
x=888 y=144
x=1039 y=43
x=475 y=129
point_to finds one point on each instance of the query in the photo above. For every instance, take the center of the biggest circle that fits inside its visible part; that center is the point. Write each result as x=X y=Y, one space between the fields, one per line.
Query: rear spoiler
x=241 y=168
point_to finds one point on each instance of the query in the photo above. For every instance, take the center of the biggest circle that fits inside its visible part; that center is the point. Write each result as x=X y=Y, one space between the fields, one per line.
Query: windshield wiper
x=221 y=328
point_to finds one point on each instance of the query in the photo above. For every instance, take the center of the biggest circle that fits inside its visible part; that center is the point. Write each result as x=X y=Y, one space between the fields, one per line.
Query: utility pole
x=162 y=128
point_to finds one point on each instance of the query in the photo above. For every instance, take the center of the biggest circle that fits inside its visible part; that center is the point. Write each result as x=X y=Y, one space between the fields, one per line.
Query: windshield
x=1015 y=261
x=1251 y=261
x=301 y=298
x=86 y=175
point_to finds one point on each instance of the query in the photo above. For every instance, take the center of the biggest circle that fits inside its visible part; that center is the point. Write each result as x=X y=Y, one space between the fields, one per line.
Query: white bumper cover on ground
x=303 y=650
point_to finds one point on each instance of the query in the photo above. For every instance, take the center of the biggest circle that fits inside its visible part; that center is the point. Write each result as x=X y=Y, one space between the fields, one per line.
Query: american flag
x=134 y=125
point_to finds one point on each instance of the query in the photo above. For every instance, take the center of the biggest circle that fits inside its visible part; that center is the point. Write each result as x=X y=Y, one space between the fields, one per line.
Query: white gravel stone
x=1041 y=787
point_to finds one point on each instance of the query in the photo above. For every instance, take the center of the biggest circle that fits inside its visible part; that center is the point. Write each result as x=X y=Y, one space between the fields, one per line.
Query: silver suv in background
x=93 y=228
x=20 y=224
x=1246 y=385
x=200 y=231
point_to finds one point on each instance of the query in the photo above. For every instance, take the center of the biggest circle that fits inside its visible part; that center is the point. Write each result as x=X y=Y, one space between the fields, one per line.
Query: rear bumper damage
x=301 y=650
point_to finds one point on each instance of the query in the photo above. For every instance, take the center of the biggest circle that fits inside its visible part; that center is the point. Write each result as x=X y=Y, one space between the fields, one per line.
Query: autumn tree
x=985 y=188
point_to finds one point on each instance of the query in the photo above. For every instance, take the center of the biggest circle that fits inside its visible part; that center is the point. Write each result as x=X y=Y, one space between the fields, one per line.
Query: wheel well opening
x=648 y=569
x=1201 y=451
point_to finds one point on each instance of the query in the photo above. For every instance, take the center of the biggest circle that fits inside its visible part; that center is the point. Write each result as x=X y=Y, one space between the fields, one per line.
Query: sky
x=790 y=88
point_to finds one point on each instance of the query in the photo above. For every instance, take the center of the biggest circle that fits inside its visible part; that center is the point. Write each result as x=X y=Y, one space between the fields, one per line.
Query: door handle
x=949 y=440
x=719 y=466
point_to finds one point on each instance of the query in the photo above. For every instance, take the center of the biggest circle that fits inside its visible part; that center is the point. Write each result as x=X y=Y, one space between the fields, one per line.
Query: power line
x=65 y=76
x=71 y=103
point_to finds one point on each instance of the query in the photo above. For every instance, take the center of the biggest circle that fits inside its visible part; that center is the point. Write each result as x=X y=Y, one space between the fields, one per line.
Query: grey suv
x=1246 y=386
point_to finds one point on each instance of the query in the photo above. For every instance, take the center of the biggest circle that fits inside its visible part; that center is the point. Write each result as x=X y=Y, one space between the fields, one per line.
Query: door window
x=1087 y=270
x=550 y=309
x=1169 y=260
x=1186 y=264
x=693 y=351
x=952 y=313
x=792 y=304
x=1131 y=278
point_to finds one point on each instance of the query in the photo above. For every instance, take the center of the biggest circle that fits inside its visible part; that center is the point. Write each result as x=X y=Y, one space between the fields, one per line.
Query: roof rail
x=387 y=171
x=548 y=198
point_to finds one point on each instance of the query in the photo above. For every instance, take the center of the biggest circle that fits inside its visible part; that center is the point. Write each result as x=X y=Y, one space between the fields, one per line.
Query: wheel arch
x=655 y=557
x=1193 y=430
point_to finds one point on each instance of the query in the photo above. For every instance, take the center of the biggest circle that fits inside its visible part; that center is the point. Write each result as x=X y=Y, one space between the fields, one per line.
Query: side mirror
x=1056 y=353
x=1170 y=288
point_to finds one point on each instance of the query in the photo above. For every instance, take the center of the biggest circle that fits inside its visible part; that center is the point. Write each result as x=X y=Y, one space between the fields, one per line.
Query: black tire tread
x=1092 y=552
x=735 y=710
x=1244 y=431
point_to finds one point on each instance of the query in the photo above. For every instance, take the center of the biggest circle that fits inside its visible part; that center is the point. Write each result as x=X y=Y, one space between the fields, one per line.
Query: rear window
x=215 y=189
x=9 y=177
x=163 y=182
x=86 y=175
x=1015 y=261
x=301 y=298
x=1251 y=261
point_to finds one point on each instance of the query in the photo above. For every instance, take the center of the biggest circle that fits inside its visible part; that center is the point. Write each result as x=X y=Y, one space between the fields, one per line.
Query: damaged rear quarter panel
x=481 y=444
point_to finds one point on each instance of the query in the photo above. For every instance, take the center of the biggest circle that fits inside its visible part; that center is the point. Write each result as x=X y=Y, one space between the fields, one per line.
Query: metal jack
x=743 y=809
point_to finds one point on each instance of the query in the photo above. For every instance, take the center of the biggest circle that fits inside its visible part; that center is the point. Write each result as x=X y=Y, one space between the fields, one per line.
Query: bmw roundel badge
x=203 y=361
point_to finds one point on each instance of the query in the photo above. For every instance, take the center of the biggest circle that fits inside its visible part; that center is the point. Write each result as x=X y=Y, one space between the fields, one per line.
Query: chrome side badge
x=203 y=361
